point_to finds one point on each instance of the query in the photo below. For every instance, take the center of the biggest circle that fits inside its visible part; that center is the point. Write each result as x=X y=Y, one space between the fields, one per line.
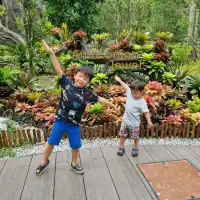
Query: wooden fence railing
x=109 y=130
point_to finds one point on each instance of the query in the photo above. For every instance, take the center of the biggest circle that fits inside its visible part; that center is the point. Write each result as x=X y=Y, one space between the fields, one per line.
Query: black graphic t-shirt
x=73 y=101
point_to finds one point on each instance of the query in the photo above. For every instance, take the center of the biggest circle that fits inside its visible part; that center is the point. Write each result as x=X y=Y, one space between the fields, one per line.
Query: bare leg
x=75 y=153
x=47 y=153
x=136 y=143
x=122 y=141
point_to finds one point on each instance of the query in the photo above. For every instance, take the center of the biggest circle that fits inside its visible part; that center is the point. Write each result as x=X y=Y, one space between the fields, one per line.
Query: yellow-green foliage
x=193 y=67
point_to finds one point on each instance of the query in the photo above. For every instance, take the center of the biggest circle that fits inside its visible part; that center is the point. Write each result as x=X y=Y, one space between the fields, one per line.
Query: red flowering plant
x=174 y=119
x=125 y=45
x=159 y=46
x=79 y=35
x=156 y=89
x=56 y=32
x=162 y=56
x=114 y=47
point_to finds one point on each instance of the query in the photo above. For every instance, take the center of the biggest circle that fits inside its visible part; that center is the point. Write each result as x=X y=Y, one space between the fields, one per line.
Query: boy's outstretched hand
x=47 y=48
x=117 y=78
x=117 y=110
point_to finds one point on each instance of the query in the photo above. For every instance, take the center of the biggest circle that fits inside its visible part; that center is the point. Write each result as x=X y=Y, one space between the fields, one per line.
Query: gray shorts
x=129 y=131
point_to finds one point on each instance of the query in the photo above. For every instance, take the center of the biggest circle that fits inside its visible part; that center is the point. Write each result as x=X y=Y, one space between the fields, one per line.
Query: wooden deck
x=107 y=176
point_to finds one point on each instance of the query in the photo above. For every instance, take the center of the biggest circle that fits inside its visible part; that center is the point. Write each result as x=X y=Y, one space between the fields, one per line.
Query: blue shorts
x=73 y=132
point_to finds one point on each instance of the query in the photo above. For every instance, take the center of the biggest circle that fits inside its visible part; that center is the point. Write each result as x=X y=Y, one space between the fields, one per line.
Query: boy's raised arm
x=107 y=103
x=121 y=82
x=54 y=59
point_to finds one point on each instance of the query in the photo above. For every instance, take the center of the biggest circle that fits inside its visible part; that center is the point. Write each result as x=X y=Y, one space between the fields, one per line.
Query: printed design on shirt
x=59 y=111
x=72 y=113
x=76 y=104
x=67 y=87
x=63 y=106
x=79 y=96
x=65 y=98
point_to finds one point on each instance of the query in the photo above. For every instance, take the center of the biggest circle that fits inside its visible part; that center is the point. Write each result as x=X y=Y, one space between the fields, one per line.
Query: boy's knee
x=75 y=145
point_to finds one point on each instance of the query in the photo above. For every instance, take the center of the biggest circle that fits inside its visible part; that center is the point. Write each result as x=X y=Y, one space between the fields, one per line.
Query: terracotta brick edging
x=163 y=129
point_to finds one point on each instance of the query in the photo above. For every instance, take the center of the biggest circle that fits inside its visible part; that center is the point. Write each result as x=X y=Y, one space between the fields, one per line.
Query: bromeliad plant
x=98 y=114
x=194 y=106
x=174 y=119
x=147 y=56
x=165 y=36
x=162 y=56
x=101 y=39
x=148 y=47
x=137 y=47
x=141 y=38
x=174 y=104
x=168 y=78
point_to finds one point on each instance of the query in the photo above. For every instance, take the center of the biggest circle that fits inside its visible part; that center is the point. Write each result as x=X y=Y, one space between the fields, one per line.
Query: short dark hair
x=137 y=85
x=86 y=70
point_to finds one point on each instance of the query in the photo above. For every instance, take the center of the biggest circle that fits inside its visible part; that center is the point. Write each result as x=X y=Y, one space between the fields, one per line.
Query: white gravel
x=64 y=145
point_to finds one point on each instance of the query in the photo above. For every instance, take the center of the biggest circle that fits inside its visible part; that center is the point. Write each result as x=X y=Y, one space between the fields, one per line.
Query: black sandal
x=41 y=168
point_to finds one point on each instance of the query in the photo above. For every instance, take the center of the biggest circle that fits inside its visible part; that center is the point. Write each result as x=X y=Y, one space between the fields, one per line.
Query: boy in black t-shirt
x=74 y=98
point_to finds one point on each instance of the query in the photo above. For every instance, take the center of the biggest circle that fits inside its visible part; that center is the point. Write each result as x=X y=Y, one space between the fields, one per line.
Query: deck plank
x=195 y=149
x=2 y=163
x=183 y=152
x=119 y=175
x=143 y=157
x=136 y=183
x=39 y=187
x=13 y=177
x=160 y=153
x=68 y=184
x=98 y=182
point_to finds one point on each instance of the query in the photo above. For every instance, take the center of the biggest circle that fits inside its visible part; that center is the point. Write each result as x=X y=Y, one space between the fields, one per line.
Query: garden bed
x=164 y=129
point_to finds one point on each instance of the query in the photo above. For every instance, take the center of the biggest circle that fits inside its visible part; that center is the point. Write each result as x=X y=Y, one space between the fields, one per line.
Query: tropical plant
x=159 y=46
x=95 y=109
x=194 y=105
x=156 y=69
x=162 y=56
x=174 y=119
x=147 y=56
x=193 y=83
x=168 y=78
x=174 y=104
x=125 y=45
x=148 y=47
x=7 y=74
x=165 y=36
x=137 y=47
x=98 y=79
x=141 y=38
x=80 y=35
x=180 y=55
x=101 y=37
x=155 y=88
x=125 y=33
x=65 y=59
x=34 y=96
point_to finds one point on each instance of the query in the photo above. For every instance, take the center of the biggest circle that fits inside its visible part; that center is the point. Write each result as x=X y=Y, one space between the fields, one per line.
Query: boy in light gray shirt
x=135 y=107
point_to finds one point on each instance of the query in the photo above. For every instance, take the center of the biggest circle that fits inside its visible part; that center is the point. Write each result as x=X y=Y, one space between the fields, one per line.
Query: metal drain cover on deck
x=175 y=180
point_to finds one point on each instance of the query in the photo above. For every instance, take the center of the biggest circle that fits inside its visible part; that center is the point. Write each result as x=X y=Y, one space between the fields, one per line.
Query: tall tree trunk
x=191 y=27
x=196 y=36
